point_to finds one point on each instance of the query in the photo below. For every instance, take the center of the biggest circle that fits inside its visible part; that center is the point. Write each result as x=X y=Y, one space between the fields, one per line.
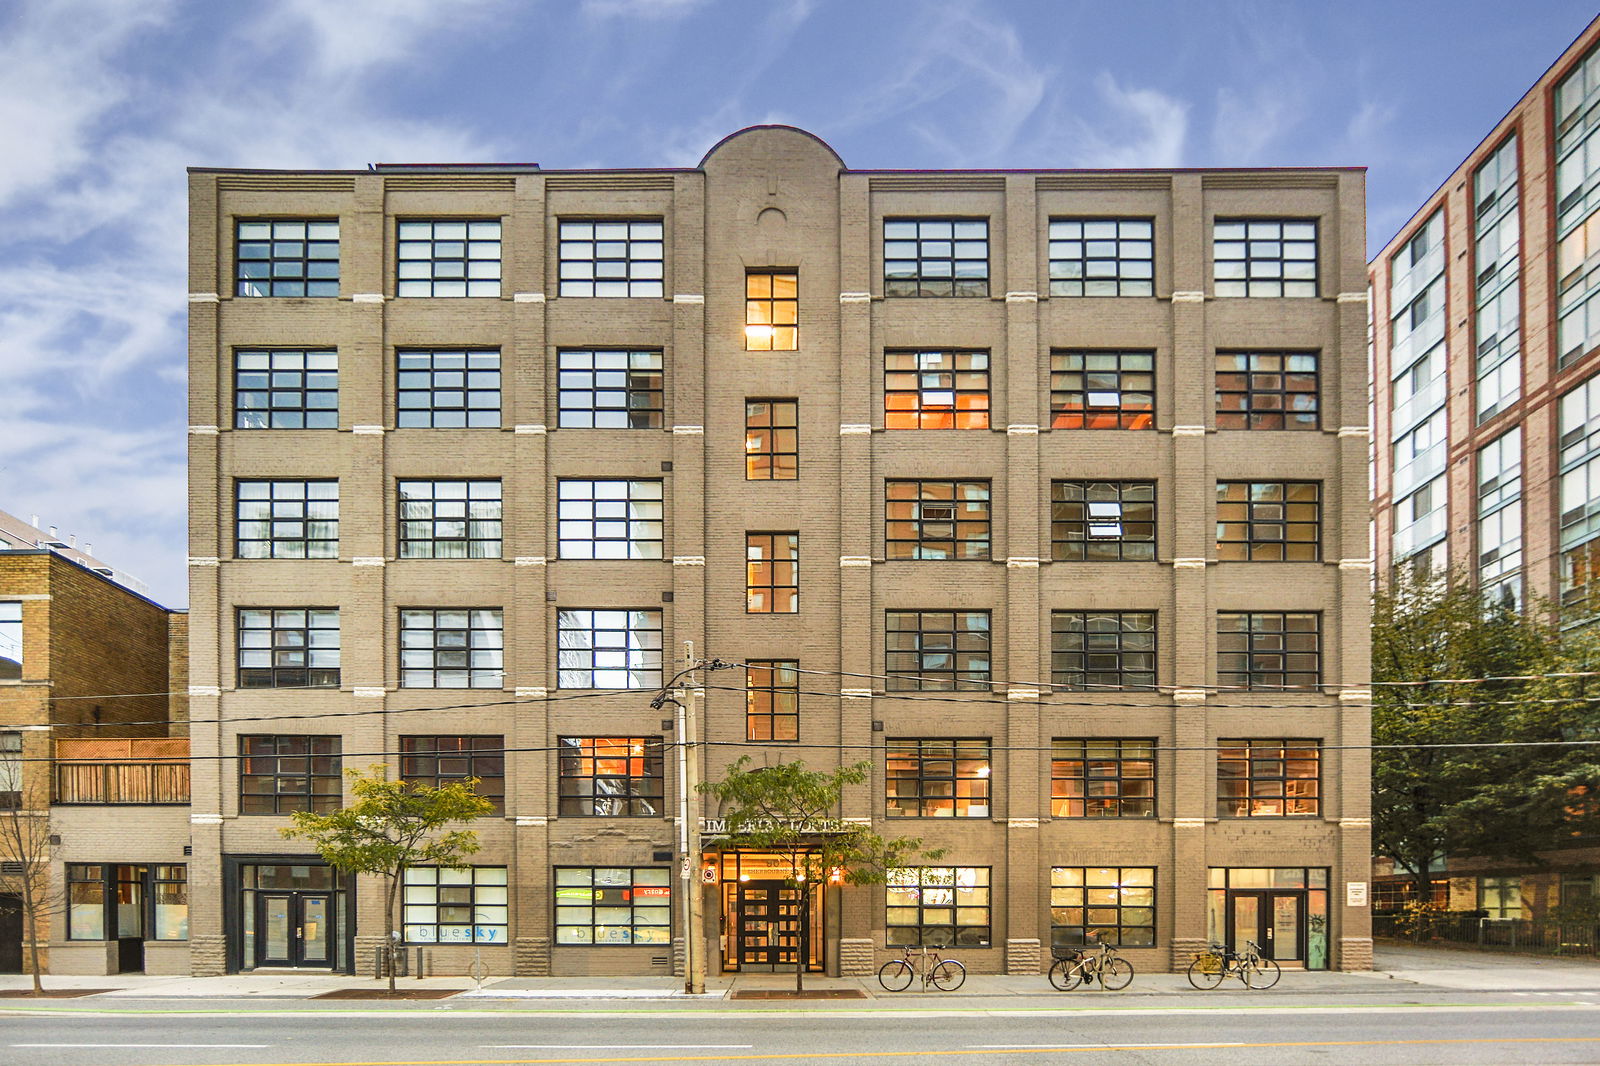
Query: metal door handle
x=300 y=931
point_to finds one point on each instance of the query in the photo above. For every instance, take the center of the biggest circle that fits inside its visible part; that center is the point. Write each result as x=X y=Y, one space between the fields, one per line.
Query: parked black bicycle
x=1075 y=967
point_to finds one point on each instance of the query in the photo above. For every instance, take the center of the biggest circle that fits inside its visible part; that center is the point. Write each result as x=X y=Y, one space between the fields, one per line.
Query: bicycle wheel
x=1260 y=973
x=948 y=975
x=1206 y=971
x=1064 y=974
x=895 y=976
x=1115 y=974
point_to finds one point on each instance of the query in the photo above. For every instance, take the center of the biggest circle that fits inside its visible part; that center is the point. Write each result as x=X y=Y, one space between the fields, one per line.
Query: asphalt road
x=1464 y=1028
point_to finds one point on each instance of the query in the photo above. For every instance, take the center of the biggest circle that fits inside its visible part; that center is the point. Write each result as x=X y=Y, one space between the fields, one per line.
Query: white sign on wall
x=1355 y=893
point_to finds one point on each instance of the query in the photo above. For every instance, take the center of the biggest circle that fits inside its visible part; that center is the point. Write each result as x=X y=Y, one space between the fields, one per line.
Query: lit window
x=86 y=901
x=468 y=905
x=611 y=776
x=449 y=519
x=772 y=311
x=621 y=905
x=285 y=389
x=609 y=519
x=449 y=258
x=939 y=906
x=1103 y=904
x=936 y=390
x=772 y=573
x=608 y=649
x=169 y=891
x=937 y=650
x=454 y=647
x=935 y=257
x=614 y=257
x=287 y=257
x=1102 y=651
x=1268 y=521
x=938 y=778
x=1270 y=650
x=1267 y=390
x=1102 y=390
x=772 y=699
x=771 y=440
x=448 y=389
x=1268 y=778
x=1265 y=257
x=936 y=519
x=1102 y=257
x=288 y=519
x=1103 y=521
x=288 y=647
x=449 y=760
x=1102 y=779
x=1500 y=898
x=283 y=774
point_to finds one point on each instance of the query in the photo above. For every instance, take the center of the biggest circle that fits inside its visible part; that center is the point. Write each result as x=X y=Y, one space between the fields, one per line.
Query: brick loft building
x=94 y=769
x=1486 y=315
x=1044 y=491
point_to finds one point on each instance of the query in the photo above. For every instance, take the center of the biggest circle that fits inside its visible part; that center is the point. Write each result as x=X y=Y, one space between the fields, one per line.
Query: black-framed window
x=1107 y=904
x=448 y=257
x=1269 y=778
x=936 y=390
x=927 y=519
x=288 y=647
x=287 y=519
x=1102 y=521
x=1102 y=257
x=447 y=388
x=445 y=760
x=1265 y=257
x=467 y=905
x=286 y=257
x=938 y=906
x=612 y=257
x=282 y=774
x=285 y=388
x=1267 y=390
x=1102 y=778
x=10 y=770
x=1269 y=521
x=614 y=777
x=935 y=777
x=169 y=902
x=771 y=440
x=1270 y=650
x=452 y=647
x=937 y=650
x=608 y=648
x=11 y=647
x=86 y=901
x=613 y=905
x=772 y=699
x=772 y=311
x=609 y=388
x=935 y=257
x=1102 y=651
x=772 y=573
x=1102 y=390
x=454 y=519
x=609 y=519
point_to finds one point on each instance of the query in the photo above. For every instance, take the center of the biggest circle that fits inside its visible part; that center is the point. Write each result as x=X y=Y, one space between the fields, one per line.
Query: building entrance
x=293 y=929
x=766 y=924
x=1284 y=910
x=1274 y=920
x=290 y=914
x=10 y=933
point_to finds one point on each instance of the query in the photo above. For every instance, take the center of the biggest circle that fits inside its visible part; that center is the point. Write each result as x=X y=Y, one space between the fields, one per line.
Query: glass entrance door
x=293 y=929
x=1274 y=920
x=771 y=925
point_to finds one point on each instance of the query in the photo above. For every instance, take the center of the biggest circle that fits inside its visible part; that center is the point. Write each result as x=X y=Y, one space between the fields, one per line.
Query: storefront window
x=613 y=905
x=171 y=894
x=939 y=906
x=1114 y=905
x=86 y=902
x=465 y=906
x=1282 y=909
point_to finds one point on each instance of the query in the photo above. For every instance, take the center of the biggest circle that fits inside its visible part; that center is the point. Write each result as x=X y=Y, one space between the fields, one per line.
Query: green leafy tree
x=390 y=827
x=790 y=810
x=1509 y=801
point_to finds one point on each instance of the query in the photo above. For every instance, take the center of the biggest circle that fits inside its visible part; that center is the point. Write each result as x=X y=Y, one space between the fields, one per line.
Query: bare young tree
x=25 y=869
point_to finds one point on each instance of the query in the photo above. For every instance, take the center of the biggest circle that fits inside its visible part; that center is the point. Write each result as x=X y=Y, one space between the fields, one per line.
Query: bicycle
x=1075 y=967
x=944 y=974
x=1256 y=971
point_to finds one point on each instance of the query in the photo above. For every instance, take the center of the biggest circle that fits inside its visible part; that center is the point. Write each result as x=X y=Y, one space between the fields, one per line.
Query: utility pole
x=694 y=958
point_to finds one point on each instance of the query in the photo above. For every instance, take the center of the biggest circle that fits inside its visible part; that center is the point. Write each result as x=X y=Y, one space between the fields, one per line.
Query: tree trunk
x=30 y=917
x=805 y=941
x=393 y=934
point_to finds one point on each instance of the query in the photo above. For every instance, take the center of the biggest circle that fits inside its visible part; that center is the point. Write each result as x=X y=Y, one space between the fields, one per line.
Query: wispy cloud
x=641 y=9
x=1132 y=127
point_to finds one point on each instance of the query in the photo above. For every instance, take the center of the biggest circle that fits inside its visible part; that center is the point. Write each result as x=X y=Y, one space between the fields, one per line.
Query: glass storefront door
x=765 y=922
x=292 y=929
x=292 y=915
x=1274 y=920
x=1284 y=910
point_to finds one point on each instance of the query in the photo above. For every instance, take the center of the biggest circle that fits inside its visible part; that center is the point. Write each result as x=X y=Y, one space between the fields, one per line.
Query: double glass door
x=771 y=926
x=294 y=929
x=1274 y=920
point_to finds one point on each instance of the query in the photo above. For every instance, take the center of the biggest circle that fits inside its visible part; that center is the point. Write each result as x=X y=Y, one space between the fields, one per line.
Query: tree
x=391 y=827
x=789 y=809
x=1509 y=801
x=25 y=873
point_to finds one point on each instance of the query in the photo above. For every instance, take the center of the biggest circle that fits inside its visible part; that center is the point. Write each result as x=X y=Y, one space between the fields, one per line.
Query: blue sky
x=104 y=102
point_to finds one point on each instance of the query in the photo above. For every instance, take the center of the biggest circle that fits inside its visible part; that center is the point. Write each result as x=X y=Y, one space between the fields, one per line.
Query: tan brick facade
x=777 y=197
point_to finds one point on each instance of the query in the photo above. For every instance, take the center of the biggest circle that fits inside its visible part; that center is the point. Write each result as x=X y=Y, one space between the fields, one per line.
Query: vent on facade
x=188 y=849
x=877 y=727
x=10 y=869
x=666 y=724
x=666 y=597
x=103 y=571
x=611 y=182
x=661 y=856
x=269 y=182
x=666 y=466
x=55 y=840
x=58 y=545
x=658 y=960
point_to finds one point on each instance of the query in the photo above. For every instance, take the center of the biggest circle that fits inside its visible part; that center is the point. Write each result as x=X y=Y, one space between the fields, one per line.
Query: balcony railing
x=147 y=783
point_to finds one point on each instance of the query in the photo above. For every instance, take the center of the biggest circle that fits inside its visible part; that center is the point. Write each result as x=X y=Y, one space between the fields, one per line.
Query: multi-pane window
x=1265 y=257
x=613 y=905
x=772 y=699
x=772 y=573
x=1102 y=778
x=1267 y=390
x=452 y=647
x=771 y=440
x=288 y=647
x=1500 y=898
x=615 y=257
x=169 y=902
x=446 y=760
x=1102 y=257
x=1269 y=649
x=1102 y=521
x=609 y=519
x=10 y=770
x=609 y=389
x=936 y=390
x=608 y=649
x=935 y=778
x=287 y=257
x=281 y=388
x=283 y=774
x=772 y=311
x=611 y=776
x=287 y=519
x=1268 y=521
x=937 y=650
x=935 y=257
x=467 y=905
x=1497 y=240
x=448 y=388
x=1103 y=904
x=939 y=906
x=1102 y=651
x=1500 y=518
x=10 y=640
x=86 y=901
x=449 y=519
x=1268 y=778
x=1102 y=390
x=1578 y=208
x=1580 y=496
x=936 y=519
x=458 y=257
